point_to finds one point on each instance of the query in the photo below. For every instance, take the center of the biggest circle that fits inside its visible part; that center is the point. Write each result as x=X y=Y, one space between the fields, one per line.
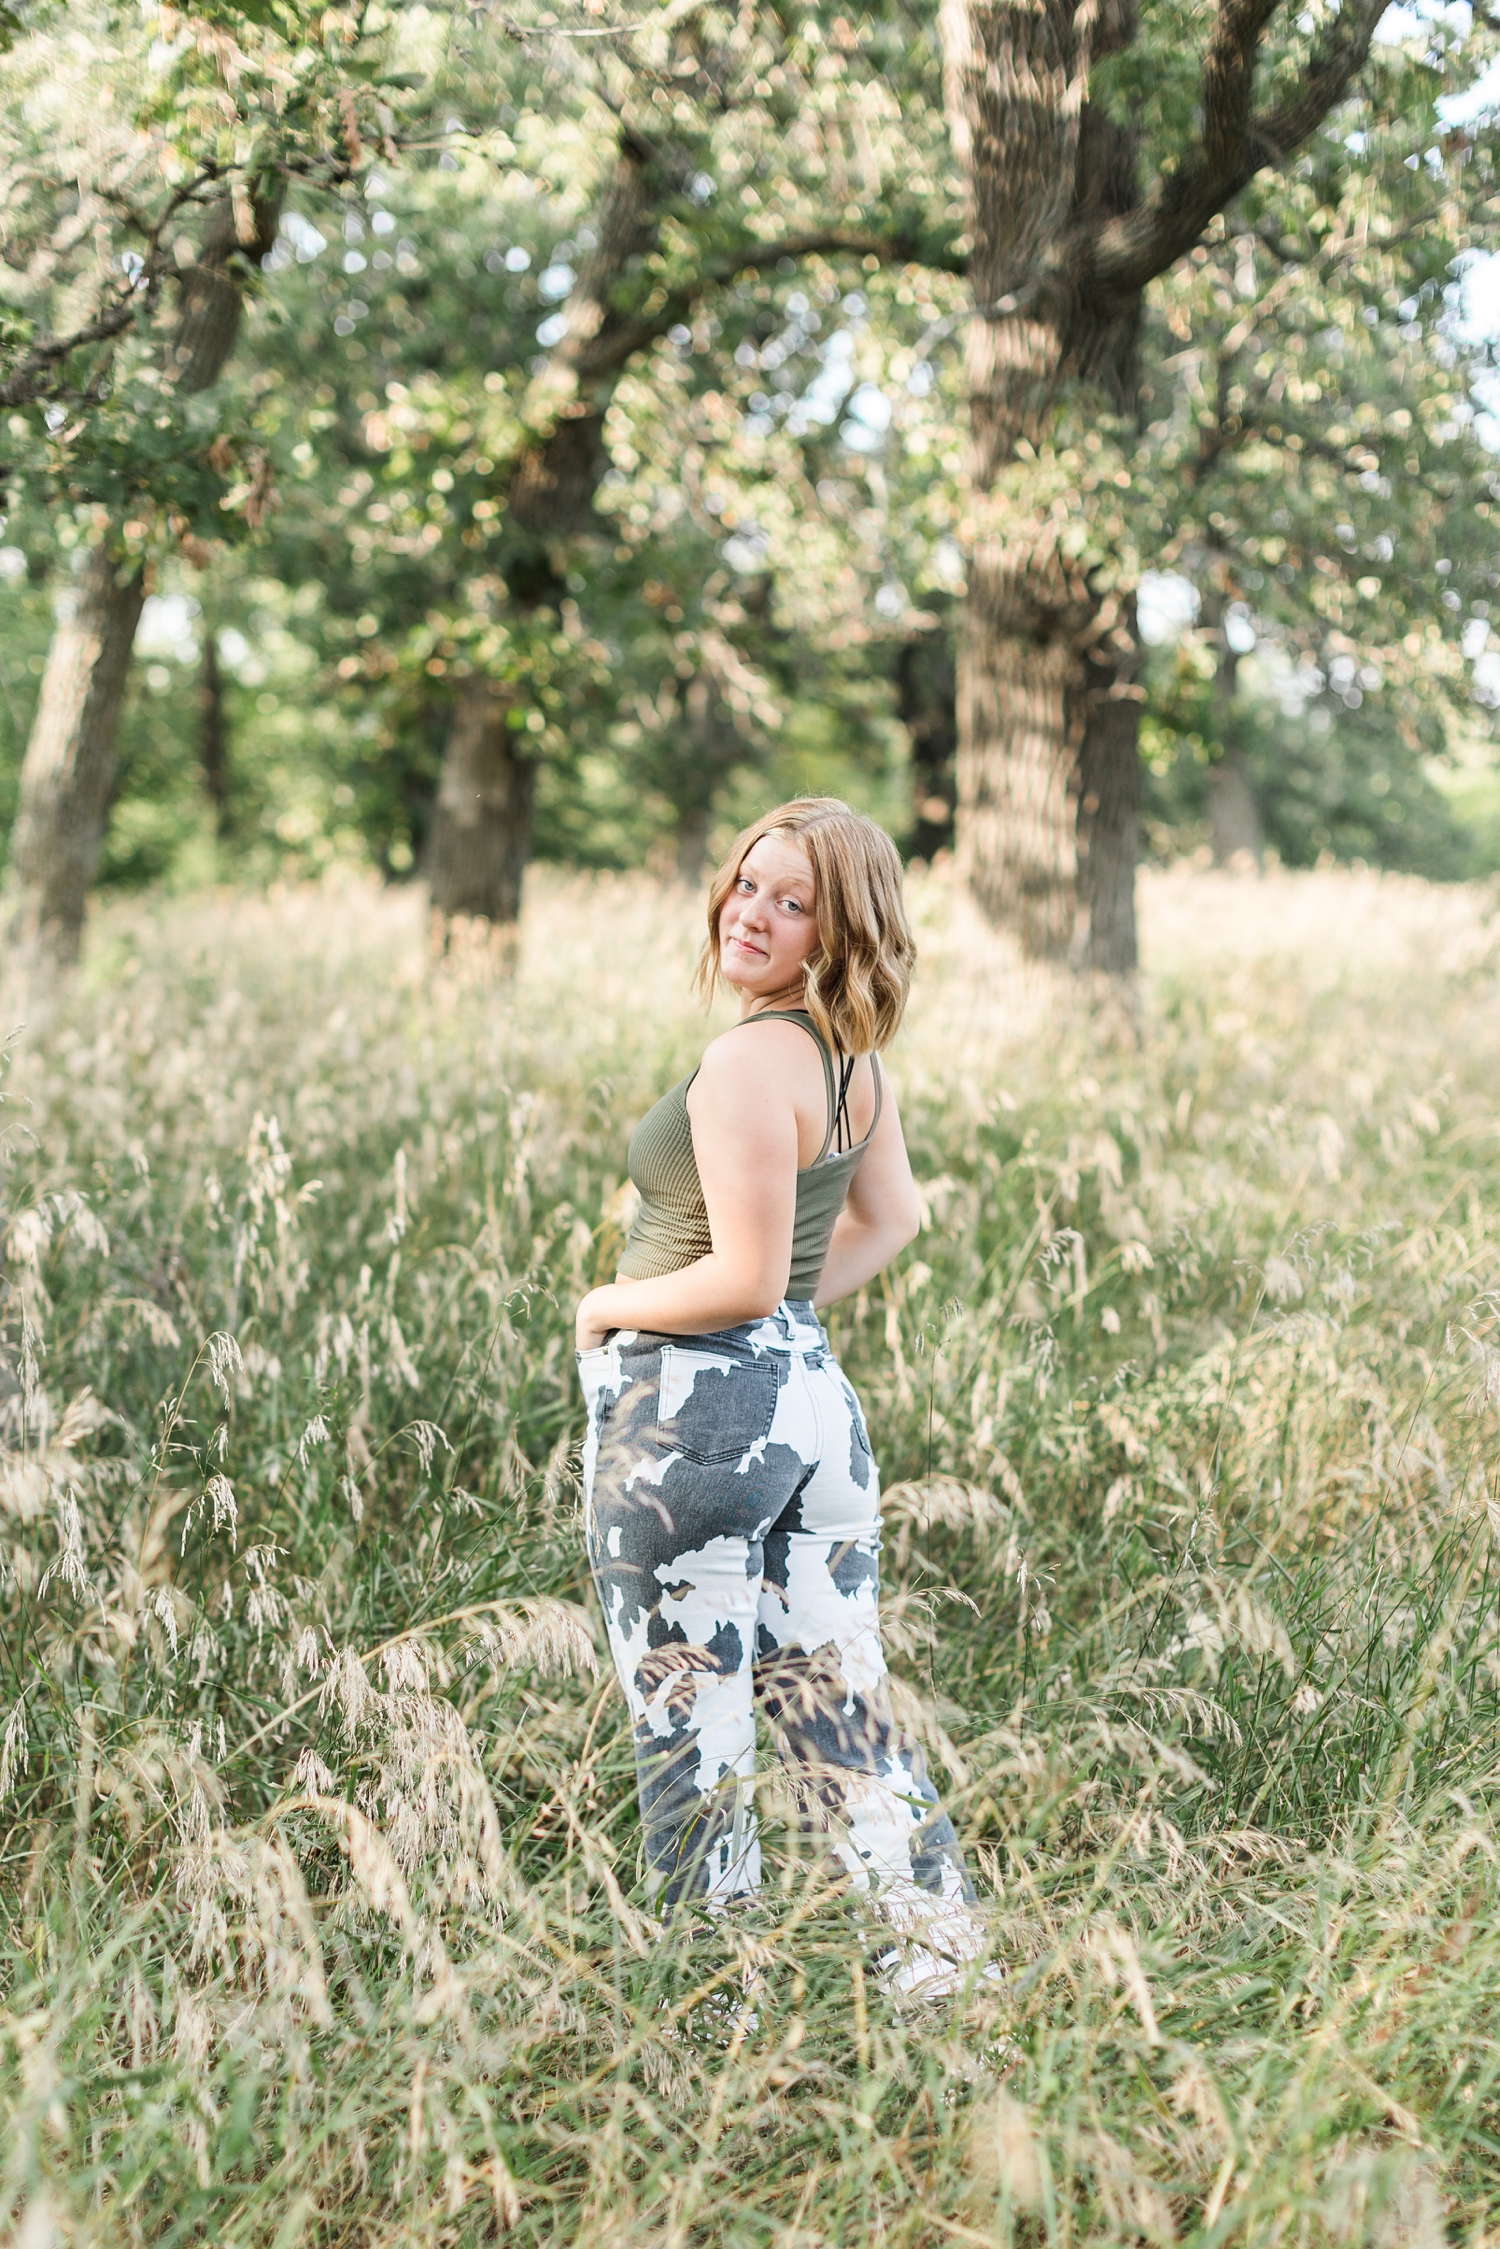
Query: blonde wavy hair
x=858 y=975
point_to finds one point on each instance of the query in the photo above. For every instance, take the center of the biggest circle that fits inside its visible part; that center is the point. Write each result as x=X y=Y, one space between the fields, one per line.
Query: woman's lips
x=741 y=946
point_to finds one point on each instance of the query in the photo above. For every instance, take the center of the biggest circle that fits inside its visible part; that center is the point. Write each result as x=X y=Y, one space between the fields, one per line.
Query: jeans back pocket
x=713 y=1407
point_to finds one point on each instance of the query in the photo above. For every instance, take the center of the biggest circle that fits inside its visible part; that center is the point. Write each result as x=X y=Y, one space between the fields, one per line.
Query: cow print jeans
x=733 y=1513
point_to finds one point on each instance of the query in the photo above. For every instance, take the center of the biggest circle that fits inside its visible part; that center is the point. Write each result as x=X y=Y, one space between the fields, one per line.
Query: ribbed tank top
x=671 y=1227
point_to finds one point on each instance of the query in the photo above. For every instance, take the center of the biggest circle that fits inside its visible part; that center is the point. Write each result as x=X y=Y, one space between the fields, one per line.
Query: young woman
x=732 y=1501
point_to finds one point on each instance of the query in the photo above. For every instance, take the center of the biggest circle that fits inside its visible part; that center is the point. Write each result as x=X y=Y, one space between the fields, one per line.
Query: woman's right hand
x=595 y=1319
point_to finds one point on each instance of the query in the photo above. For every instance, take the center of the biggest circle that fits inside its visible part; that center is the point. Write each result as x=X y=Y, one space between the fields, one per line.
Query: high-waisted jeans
x=733 y=1512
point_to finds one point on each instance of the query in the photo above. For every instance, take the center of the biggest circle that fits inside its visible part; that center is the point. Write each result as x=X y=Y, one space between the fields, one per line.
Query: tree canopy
x=599 y=401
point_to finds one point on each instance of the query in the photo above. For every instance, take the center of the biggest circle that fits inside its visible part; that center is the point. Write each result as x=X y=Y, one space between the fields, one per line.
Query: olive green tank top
x=671 y=1227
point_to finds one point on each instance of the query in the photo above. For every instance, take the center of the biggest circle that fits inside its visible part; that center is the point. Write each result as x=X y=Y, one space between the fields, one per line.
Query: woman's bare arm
x=881 y=1215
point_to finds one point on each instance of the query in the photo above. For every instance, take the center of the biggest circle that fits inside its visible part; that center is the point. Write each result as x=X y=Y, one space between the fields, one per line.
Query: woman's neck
x=768 y=1003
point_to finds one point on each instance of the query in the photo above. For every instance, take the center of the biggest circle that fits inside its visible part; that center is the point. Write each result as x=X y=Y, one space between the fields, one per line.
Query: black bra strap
x=840 y=1134
x=805 y=1022
x=843 y=1131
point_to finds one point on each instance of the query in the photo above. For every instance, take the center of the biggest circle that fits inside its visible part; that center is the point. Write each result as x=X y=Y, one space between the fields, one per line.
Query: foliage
x=378 y=571
x=318 y=1885
x=1329 y=769
x=405 y=455
x=783 y=438
x=1320 y=462
x=122 y=126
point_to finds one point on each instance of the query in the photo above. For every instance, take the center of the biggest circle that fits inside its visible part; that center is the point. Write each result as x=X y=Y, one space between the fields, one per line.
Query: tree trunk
x=1109 y=817
x=213 y=744
x=927 y=701
x=480 y=838
x=1048 y=764
x=714 y=744
x=700 y=772
x=1233 y=814
x=68 y=775
x=1046 y=845
x=555 y=482
x=692 y=844
x=1018 y=746
x=1063 y=246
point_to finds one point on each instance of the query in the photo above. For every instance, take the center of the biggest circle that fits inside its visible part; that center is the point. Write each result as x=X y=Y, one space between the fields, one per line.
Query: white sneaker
x=912 y=1976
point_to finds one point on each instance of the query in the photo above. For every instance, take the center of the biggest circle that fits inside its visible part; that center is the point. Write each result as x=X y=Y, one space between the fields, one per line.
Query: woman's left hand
x=594 y=1320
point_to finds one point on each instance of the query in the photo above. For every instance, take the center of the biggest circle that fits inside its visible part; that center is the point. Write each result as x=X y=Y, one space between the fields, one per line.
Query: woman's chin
x=756 y=980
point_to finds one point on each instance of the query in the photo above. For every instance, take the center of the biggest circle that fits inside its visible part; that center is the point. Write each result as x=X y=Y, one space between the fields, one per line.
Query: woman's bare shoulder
x=751 y=1053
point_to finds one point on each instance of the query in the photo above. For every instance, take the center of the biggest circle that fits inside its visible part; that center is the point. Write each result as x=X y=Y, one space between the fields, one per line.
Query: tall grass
x=320 y=1918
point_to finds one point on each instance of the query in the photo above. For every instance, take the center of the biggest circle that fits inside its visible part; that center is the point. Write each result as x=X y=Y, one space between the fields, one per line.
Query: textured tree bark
x=1041 y=845
x=1063 y=248
x=68 y=775
x=480 y=839
x=1017 y=750
x=1109 y=816
x=1048 y=779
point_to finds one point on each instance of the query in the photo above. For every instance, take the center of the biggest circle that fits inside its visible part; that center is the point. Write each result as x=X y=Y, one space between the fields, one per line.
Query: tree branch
x=1236 y=143
x=619 y=343
x=1229 y=80
x=38 y=373
x=35 y=376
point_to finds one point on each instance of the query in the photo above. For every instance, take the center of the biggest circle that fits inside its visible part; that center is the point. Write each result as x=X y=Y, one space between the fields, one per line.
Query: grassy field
x=320 y=1917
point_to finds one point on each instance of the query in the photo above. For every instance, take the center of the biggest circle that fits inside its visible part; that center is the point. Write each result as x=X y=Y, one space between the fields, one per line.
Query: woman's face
x=769 y=922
